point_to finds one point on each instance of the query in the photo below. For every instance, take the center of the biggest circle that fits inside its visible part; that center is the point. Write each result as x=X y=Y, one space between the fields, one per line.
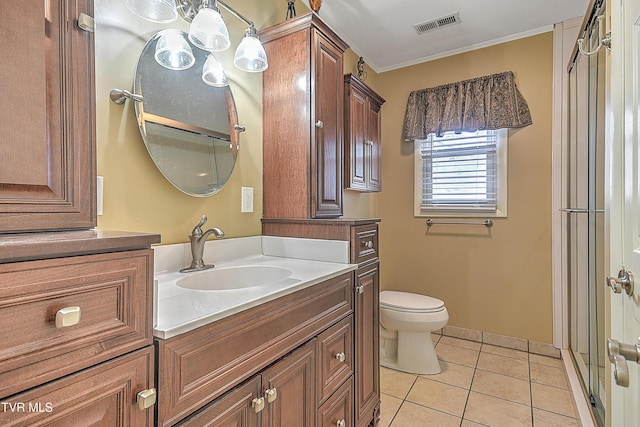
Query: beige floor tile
x=495 y=412
x=546 y=360
x=548 y=375
x=552 y=399
x=411 y=415
x=502 y=386
x=439 y=396
x=471 y=345
x=388 y=408
x=504 y=365
x=395 y=383
x=453 y=374
x=548 y=419
x=508 y=352
x=467 y=423
x=459 y=355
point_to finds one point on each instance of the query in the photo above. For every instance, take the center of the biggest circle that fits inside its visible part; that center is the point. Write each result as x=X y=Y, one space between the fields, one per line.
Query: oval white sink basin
x=231 y=278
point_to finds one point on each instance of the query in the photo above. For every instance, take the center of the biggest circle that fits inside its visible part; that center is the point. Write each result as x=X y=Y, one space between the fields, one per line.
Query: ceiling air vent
x=434 y=24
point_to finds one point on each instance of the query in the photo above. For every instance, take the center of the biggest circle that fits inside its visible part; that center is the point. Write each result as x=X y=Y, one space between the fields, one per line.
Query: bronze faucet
x=198 y=239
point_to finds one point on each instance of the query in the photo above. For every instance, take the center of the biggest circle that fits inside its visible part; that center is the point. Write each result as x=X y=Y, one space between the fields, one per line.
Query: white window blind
x=459 y=171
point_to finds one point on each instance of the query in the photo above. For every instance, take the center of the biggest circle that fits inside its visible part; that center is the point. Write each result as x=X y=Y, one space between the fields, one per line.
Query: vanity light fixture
x=208 y=30
x=213 y=73
x=161 y=11
x=173 y=51
x=250 y=55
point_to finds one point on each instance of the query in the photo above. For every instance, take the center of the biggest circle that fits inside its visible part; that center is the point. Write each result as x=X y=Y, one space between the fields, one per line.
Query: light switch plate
x=247 y=200
x=99 y=195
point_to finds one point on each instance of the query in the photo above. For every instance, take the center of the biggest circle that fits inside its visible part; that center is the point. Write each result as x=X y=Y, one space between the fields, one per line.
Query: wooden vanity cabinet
x=362 y=235
x=76 y=308
x=47 y=123
x=276 y=342
x=281 y=395
x=303 y=120
x=362 y=133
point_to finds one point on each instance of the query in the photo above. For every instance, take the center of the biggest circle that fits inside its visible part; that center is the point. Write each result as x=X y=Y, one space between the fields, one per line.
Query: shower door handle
x=623 y=281
x=618 y=354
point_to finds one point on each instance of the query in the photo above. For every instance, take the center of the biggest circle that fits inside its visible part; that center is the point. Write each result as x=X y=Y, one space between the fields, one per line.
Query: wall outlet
x=247 y=199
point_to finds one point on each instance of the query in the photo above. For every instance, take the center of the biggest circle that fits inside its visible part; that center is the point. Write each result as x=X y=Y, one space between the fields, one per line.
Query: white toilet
x=406 y=323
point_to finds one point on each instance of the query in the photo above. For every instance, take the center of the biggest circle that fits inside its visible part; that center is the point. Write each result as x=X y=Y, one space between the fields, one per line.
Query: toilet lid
x=406 y=301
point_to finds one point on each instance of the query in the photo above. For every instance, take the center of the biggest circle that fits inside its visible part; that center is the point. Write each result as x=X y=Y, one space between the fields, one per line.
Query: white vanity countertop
x=178 y=310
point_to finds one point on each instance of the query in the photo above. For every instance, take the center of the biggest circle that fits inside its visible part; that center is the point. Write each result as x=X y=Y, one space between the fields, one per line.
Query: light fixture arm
x=189 y=8
x=603 y=40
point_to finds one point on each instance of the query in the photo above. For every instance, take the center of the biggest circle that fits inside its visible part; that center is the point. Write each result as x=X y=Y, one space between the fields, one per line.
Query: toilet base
x=414 y=354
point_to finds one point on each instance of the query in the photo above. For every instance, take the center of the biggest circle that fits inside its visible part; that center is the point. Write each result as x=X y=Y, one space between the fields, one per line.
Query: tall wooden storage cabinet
x=303 y=120
x=47 y=123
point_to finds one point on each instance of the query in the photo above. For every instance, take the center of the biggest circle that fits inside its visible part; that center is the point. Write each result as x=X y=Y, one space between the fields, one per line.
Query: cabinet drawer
x=364 y=243
x=102 y=395
x=113 y=294
x=200 y=365
x=335 y=357
x=339 y=408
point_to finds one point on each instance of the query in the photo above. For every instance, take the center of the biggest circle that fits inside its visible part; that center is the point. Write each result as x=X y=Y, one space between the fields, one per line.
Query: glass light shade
x=173 y=51
x=250 y=55
x=208 y=31
x=154 y=10
x=213 y=73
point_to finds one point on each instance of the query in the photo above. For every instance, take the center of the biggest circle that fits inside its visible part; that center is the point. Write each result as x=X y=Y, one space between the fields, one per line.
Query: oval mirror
x=189 y=128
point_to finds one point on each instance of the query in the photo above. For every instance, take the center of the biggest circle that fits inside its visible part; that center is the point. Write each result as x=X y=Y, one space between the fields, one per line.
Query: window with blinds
x=461 y=173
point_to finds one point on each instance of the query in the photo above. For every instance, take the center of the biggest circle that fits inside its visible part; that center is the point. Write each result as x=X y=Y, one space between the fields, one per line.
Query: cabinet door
x=374 y=152
x=355 y=163
x=47 y=132
x=289 y=389
x=234 y=409
x=104 y=395
x=366 y=344
x=327 y=130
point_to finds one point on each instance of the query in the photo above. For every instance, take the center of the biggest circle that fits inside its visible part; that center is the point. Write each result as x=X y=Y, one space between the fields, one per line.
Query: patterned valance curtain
x=484 y=103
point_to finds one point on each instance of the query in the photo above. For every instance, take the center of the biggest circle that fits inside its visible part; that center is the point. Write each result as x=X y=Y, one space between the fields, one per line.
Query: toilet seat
x=409 y=302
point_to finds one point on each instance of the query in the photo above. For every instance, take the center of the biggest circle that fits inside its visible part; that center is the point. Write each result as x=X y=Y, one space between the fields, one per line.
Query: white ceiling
x=382 y=32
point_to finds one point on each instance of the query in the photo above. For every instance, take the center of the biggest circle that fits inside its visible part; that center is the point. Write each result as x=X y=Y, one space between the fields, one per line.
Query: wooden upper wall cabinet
x=303 y=120
x=47 y=124
x=363 y=145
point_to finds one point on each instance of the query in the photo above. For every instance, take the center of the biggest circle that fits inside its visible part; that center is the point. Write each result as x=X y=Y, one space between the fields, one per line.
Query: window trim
x=465 y=212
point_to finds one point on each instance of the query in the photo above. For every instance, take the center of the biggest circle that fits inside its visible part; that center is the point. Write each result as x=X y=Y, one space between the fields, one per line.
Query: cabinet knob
x=341 y=423
x=257 y=404
x=67 y=316
x=319 y=124
x=369 y=142
x=341 y=357
x=271 y=394
x=360 y=289
x=146 y=398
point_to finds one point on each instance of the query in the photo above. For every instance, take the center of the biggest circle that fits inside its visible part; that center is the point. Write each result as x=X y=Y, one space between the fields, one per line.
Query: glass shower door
x=584 y=219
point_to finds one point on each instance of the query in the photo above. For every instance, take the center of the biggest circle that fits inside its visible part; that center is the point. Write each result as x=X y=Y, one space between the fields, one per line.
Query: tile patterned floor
x=480 y=385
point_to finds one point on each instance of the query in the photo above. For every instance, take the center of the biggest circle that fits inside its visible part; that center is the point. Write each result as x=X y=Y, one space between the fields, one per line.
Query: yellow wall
x=136 y=195
x=496 y=280
x=497 y=283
